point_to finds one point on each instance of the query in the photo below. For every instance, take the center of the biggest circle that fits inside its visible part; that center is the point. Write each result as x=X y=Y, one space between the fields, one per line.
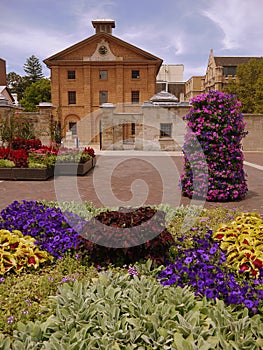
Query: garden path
x=123 y=178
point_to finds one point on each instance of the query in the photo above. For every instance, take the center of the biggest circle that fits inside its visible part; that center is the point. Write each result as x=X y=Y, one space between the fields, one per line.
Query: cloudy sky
x=178 y=31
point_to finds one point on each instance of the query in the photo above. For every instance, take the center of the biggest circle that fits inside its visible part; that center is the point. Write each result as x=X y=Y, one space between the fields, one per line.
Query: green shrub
x=122 y=311
x=24 y=296
x=186 y=221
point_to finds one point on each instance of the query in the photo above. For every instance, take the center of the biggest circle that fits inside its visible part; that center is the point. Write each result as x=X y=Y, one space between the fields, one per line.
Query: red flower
x=258 y=263
x=14 y=246
x=31 y=261
x=244 y=267
x=254 y=272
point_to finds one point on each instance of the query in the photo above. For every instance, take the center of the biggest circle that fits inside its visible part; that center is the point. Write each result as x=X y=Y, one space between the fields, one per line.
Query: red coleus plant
x=27 y=144
x=127 y=235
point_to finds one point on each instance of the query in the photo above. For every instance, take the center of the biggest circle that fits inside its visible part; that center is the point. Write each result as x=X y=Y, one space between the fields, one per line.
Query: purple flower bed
x=49 y=226
x=216 y=123
x=202 y=268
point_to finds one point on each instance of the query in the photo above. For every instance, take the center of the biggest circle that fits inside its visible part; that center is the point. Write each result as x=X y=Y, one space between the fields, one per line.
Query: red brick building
x=100 y=69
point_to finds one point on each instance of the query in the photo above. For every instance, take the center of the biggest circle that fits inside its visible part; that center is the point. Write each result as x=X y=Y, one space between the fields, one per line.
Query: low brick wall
x=253 y=142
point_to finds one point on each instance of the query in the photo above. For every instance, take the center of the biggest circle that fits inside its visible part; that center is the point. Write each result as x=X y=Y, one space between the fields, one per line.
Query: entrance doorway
x=128 y=132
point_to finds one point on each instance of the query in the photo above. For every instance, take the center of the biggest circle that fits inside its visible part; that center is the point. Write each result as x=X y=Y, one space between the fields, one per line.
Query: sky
x=177 y=31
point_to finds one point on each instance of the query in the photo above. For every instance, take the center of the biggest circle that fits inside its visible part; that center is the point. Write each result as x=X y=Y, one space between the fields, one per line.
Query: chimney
x=2 y=72
x=103 y=25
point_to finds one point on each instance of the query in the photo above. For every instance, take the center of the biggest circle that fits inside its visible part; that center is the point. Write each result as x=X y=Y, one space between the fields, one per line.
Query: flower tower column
x=216 y=122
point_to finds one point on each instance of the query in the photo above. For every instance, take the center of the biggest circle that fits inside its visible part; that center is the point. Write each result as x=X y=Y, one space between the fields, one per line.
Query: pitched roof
x=97 y=37
x=232 y=61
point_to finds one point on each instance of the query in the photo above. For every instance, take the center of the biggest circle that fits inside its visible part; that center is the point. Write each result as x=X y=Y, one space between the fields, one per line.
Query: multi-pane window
x=229 y=70
x=103 y=74
x=135 y=96
x=73 y=127
x=71 y=97
x=103 y=97
x=166 y=130
x=71 y=74
x=135 y=74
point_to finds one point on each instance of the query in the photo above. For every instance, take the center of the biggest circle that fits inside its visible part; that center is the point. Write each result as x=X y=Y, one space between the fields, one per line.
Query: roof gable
x=5 y=91
x=232 y=61
x=85 y=50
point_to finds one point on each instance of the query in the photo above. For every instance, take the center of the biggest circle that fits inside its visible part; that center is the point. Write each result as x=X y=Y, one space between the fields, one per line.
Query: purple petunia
x=217 y=124
x=202 y=268
x=53 y=230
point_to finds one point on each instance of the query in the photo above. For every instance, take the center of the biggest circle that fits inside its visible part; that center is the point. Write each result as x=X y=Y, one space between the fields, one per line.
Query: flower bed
x=30 y=160
x=193 y=298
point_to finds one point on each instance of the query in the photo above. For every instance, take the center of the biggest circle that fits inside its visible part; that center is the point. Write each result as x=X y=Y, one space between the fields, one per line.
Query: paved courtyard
x=127 y=178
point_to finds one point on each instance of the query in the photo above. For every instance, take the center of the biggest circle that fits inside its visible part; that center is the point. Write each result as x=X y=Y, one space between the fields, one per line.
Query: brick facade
x=2 y=72
x=87 y=59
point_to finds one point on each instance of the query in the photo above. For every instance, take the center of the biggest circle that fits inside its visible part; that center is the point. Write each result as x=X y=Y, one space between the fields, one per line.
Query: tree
x=33 y=69
x=248 y=86
x=36 y=93
x=17 y=84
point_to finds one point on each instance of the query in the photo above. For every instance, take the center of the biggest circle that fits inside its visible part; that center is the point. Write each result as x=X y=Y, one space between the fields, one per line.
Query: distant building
x=220 y=71
x=100 y=69
x=193 y=87
x=170 y=79
x=2 y=72
x=6 y=97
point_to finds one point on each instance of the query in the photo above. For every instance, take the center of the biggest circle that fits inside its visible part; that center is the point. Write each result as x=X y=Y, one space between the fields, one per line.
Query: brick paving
x=129 y=178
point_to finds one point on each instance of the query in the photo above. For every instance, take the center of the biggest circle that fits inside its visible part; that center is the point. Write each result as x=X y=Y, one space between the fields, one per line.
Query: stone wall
x=253 y=142
x=147 y=122
x=147 y=128
x=41 y=120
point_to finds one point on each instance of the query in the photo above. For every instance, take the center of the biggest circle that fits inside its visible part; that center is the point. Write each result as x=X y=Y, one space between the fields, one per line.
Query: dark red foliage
x=127 y=236
x=20 y=143
x=90 y=151
x=4 y=153
x=19 y=157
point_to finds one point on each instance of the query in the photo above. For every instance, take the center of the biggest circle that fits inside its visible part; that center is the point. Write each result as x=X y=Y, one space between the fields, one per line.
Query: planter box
x=37 y=174
x=79 y=169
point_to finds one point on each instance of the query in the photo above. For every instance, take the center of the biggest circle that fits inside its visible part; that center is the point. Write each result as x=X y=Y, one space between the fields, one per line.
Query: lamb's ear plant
x=124 y=311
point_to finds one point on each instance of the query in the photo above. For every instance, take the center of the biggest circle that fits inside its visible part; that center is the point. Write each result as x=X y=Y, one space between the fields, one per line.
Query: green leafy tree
x=248 y=86
x=33 y=69
x=17 y=84
x=34 y=94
